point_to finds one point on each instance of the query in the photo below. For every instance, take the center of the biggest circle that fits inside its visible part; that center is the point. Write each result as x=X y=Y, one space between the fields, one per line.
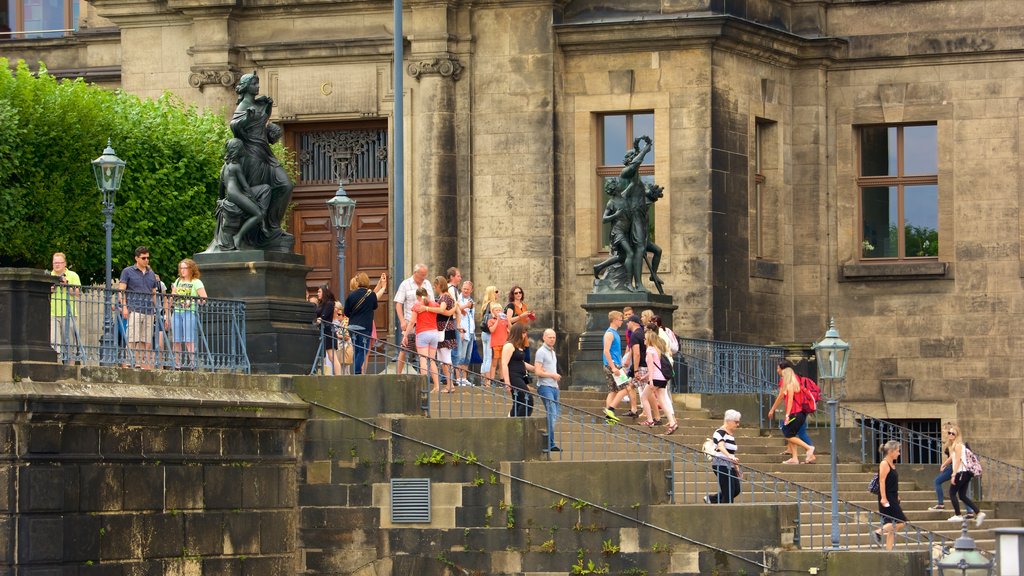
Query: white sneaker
x=957 y=518
x=979 y=519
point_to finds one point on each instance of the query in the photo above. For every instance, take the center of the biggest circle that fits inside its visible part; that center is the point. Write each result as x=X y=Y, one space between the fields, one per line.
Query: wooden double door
x=357 y=153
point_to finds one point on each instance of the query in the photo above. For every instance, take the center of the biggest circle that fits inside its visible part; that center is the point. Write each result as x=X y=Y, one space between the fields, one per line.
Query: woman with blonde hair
x=961 y=480
x=945 y=469
x=893 y=518
x=188 y=290
x=796 y=416
x=656 y=391
x=801 y=434
x=491 y=295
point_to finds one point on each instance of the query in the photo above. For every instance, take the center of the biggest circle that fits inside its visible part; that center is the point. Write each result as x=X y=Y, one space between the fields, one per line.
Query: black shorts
x=660 y=383
x=790 y=429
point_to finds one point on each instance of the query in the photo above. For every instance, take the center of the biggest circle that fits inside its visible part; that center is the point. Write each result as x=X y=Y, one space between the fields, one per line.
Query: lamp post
x=342 y=209
x=831 y=353
x=965 y=559
x=108 y=169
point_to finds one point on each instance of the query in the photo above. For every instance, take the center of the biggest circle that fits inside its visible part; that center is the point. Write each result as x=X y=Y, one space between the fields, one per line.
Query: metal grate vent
x=410 y=500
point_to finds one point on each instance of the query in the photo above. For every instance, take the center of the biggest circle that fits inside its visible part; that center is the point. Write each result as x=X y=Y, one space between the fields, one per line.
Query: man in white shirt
x=546 y=368
x=405 y=297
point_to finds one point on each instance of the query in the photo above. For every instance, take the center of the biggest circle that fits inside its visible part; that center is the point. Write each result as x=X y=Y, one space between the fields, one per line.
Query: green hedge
x=51 y=130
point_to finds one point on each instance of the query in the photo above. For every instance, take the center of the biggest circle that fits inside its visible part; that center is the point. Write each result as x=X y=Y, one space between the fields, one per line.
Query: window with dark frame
x=617 y=133
x=25 y=19
x=898 y=188
x=764 y=203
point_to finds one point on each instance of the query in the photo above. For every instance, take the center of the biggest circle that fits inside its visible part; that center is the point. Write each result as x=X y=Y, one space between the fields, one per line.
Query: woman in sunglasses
x=961 y=480
x=517 y=312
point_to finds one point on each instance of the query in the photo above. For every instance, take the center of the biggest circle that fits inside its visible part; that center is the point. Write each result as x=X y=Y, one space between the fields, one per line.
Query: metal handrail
x=716 y=367
x=690 y=475
x=1000 y=480
x=89 y=329
x=497 y=471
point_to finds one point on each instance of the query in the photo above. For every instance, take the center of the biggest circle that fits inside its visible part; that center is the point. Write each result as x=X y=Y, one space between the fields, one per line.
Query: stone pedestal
x=586 y=369
x=25 y=315
x=280 y=337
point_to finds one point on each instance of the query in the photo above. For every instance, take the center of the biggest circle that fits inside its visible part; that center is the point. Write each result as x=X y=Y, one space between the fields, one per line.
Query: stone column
x=434 y=217
x=25 y=315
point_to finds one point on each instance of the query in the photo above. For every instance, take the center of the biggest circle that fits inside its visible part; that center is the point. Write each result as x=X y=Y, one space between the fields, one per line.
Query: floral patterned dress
x=447 y=323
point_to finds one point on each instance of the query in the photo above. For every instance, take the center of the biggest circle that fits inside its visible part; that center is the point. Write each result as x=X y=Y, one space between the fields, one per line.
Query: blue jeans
x=549 y=394
x=943 y=477
x=361 y=341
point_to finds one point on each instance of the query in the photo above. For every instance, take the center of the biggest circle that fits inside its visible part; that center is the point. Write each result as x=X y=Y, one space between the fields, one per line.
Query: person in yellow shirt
x=63 y=313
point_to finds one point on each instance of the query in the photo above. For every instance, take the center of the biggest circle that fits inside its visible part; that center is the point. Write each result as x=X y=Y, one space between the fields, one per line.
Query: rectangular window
x=899 y=192
x=37 y=18
x=764 y=205
x=617 y=133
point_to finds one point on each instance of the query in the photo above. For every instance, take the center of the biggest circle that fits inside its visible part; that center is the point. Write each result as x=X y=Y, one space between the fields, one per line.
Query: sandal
x=648 y=423
x=671 y=429
x=810 y=459
x=792 y=461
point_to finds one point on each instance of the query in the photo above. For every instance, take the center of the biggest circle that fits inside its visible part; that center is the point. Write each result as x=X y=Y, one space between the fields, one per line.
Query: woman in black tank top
x=893 y=518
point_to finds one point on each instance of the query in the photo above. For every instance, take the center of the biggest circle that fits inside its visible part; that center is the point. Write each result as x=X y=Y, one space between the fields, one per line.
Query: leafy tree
x=51 y=130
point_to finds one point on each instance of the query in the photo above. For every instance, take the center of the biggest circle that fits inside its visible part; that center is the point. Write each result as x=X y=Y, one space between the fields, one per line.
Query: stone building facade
x=856 y=159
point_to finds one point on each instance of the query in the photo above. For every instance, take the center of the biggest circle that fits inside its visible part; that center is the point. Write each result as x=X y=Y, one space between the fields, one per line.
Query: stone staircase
x=759 y=449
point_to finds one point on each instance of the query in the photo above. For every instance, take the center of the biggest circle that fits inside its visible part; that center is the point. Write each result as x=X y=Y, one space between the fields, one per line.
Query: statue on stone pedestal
x=253 y=182
x=629 y=238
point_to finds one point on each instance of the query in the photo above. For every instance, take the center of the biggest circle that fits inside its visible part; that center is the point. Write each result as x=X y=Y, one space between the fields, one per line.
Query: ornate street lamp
x=108 y=169
x=342 y=209
x=832 y=353
x=965 y=559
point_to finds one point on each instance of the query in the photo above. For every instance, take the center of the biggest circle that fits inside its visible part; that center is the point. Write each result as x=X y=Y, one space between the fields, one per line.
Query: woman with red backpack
x=795 y=421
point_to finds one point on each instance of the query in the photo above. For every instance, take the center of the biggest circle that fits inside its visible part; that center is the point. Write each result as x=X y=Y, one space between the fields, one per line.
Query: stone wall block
x=42 y=489
x=120 y=537
x=43 y=438
x=242 y=533
x=121 y=439
x=277 y=532
x=6 y=543
x=240 y=443
x=80 y=439
x=287 y=487
x=222 y=487
x=100 y=487
x=163 y=535
x=267 y=566
x=166 y=441
x=200 y=441
x=260 y=487
x=276 y=442
x=183 y=487
x=82 y=537
x=204 y=533
x=40 y=539
x=143 y=488
x=222 y=567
